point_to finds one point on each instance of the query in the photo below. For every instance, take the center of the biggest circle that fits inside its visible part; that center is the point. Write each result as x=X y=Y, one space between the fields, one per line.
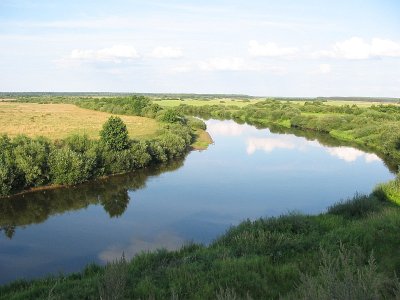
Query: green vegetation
x=33 y=162
x=350 y=252
x=114 y=134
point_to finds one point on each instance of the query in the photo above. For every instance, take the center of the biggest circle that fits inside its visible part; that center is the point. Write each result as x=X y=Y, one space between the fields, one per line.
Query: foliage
x=170 y=116
x=9 y=174
x=31 y=159
x=114 y=134
x=27 y=162
x=69 y=167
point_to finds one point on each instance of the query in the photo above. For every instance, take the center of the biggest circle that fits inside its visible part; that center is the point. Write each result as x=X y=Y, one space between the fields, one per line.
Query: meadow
x=57 y=121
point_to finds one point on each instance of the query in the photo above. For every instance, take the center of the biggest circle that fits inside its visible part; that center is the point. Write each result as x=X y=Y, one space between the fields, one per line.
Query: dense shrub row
x=30 y=162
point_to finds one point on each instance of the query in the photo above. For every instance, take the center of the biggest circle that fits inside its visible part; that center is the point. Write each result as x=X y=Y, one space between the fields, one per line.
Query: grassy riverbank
x=352 y=250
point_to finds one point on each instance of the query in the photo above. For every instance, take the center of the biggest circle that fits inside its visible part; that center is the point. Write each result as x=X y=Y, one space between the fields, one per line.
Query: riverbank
x=293 y=256
x=202 y=140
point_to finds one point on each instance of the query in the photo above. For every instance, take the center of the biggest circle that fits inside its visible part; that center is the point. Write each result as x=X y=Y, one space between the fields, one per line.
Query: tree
x=115 y=134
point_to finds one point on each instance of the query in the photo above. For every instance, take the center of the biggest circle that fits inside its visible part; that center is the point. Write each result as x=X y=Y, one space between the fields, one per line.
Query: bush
x=8 y=170
x=31 y=159
x=172 y=144
x=170 y=116
x=196 y=123
x=69 y=167
x=115 y=134
x=140 y=154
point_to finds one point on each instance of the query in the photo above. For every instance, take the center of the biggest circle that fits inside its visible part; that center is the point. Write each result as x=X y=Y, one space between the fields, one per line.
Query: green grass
x=202 y=140
x=391 y=190
x=342 y=135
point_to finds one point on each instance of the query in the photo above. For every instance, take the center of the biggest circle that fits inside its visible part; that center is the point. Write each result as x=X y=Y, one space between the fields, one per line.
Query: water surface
x=247 y=173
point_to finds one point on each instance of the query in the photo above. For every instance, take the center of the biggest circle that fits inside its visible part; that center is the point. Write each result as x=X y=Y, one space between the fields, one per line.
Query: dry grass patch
x=56 y=121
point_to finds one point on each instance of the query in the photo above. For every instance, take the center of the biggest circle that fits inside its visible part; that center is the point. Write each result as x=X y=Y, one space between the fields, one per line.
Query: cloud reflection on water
x=227 y=129
x=268 y=145
x=166 y=240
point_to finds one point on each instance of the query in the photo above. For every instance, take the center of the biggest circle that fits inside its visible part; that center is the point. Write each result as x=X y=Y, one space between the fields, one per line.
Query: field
x=196 y=102
x=56 y=121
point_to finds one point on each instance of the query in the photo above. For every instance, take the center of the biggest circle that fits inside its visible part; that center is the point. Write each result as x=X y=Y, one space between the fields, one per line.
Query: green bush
x=70 y=167
x=172 y=144
x=8 y=170
x=170 y=116
x=115 y=134
x=31 y=159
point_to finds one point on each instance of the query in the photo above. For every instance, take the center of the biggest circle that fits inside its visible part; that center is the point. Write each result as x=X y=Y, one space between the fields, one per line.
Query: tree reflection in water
x=112 y=193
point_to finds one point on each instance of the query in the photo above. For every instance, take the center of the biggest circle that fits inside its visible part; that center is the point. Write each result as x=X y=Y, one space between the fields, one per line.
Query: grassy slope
x=57 y=121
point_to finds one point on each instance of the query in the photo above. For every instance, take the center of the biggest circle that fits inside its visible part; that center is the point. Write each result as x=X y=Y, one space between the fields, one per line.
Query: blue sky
x=266 y=48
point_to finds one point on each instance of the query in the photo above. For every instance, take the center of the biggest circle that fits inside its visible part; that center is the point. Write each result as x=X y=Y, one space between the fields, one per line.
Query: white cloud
x=357 y=48
x=270 y=49
x=324 y=68
x=235 y=64
x=166 y=52
x=114 y=54
x=224 y=64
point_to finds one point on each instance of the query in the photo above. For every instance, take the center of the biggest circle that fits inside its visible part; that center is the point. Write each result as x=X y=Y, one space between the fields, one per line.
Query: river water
x=247 y=173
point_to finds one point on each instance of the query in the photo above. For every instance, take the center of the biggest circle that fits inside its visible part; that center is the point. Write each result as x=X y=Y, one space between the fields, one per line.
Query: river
x=247 y=173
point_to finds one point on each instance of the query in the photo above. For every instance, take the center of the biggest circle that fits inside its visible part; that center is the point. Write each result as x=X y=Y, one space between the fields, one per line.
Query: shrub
x=69 y=167
x=115 y=134
x=140 y=154
x=170 y=116
x=31 y=159
x=117 y=161
x=157 y=151
x=8 y=170
x=172 y=144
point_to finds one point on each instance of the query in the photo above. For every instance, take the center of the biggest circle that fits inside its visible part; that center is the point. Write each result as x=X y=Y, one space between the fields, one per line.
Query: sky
x=286 y=48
